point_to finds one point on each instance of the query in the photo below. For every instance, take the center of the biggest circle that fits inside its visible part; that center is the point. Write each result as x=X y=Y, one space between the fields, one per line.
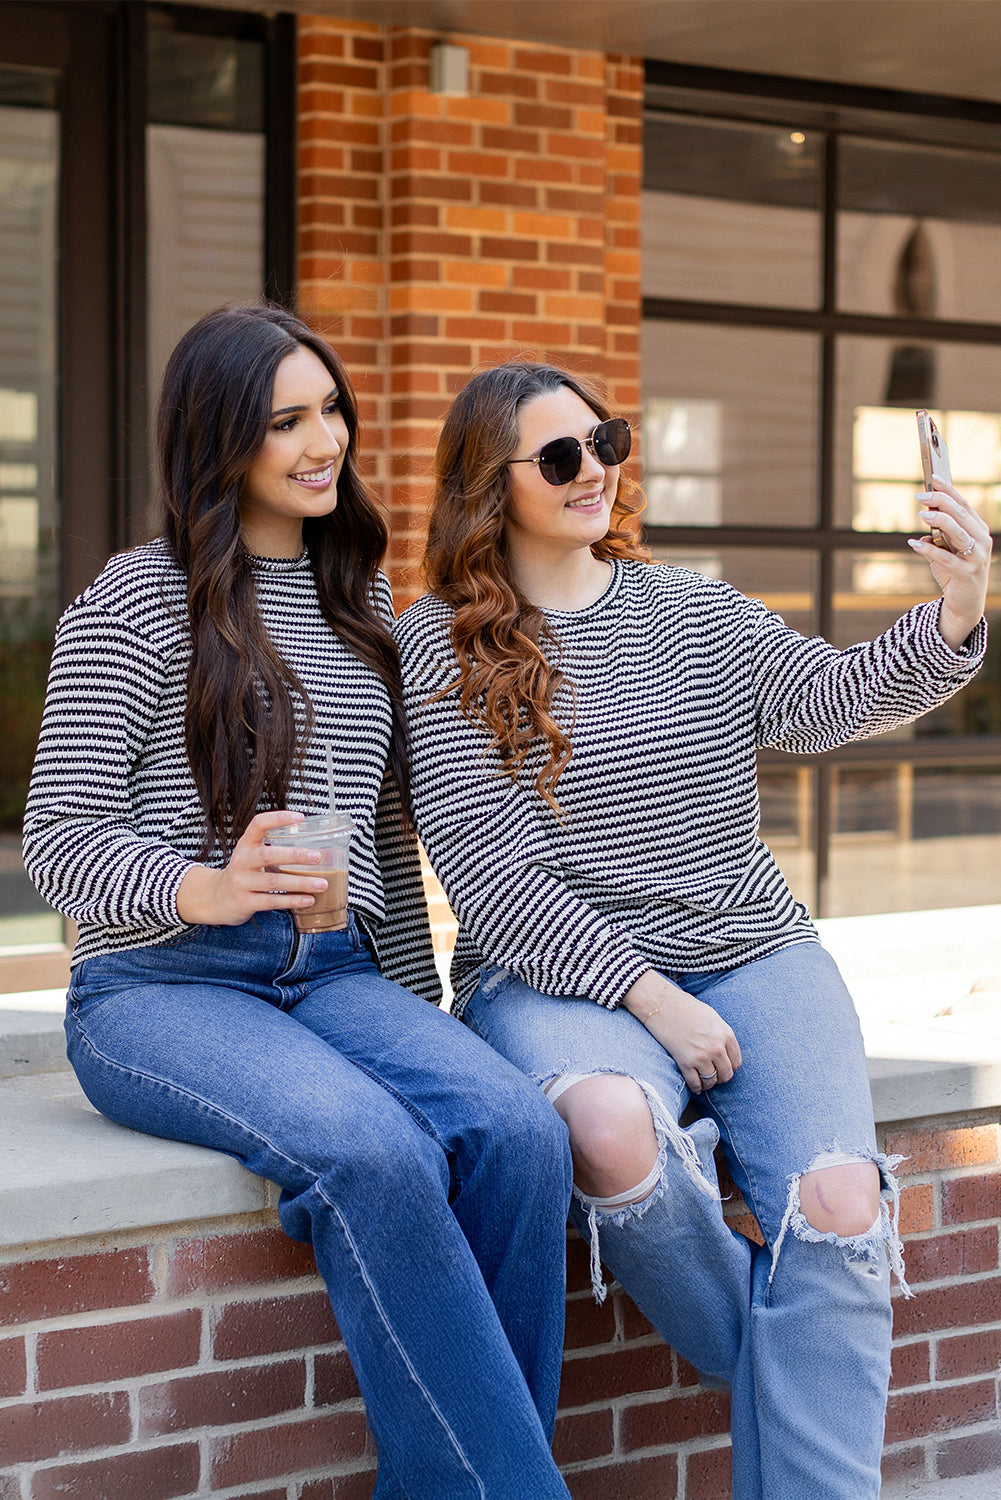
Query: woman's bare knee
x=842 y=1200
x=612 y=1136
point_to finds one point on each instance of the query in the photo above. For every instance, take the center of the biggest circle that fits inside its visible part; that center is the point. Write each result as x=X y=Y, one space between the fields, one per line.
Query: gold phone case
x=934 y=462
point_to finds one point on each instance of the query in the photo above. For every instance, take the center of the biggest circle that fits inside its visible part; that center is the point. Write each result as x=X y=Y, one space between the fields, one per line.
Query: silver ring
x=706 y=1076
x=965 y=551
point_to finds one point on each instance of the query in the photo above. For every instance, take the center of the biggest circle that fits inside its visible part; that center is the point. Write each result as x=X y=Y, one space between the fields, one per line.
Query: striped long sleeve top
x=672 y=681
x=113 y=820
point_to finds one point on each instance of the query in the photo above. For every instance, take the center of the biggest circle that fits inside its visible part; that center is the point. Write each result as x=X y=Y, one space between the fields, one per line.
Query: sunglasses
x=560 y=461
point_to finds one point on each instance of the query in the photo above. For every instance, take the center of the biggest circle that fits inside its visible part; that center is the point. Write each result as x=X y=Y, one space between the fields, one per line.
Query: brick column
x=442 y=233
x=341 y=191
x=511 y=233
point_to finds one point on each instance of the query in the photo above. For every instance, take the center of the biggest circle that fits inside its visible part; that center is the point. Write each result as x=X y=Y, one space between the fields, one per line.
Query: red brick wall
x=201 y=1361
x=440 y=233
x=943 y=1412
x=188 y=1363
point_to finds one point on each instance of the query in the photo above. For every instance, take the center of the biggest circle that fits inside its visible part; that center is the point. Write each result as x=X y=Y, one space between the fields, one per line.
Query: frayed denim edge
x=860 y=1249
x=668 y=1133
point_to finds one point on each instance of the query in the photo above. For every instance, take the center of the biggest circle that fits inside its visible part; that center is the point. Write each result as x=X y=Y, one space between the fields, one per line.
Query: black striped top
x=676 y=679
x=113 y=820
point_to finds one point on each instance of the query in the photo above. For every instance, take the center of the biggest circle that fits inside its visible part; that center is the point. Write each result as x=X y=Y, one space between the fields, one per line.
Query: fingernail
x=912 y=543
x=319 y=885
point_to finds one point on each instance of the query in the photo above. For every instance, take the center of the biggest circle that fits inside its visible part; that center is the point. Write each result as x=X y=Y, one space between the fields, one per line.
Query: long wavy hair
x=248 y=717
x=507 y=683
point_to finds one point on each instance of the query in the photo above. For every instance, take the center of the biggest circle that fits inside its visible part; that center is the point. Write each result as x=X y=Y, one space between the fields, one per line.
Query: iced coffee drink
x=330 y=837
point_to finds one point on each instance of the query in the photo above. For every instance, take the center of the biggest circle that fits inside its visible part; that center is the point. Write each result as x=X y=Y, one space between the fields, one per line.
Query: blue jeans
x=799 y=1328
x=430 y=1178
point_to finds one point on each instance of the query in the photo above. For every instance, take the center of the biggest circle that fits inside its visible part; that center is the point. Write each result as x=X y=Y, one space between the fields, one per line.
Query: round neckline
x=603 y=598
x=278 y=564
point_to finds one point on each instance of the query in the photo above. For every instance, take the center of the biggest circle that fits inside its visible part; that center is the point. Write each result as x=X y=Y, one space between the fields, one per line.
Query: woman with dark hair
x=197 y=689
x=584 y=727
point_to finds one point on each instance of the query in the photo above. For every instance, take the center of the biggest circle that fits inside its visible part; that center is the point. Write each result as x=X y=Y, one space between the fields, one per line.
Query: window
x=30 y=514
x=115 y=239
x=814 y=271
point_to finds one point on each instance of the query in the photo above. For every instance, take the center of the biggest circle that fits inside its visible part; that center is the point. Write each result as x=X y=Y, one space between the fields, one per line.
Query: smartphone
x=934 y=461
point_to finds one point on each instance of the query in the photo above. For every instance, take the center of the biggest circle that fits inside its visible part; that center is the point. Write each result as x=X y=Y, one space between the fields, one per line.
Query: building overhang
x=921 y=46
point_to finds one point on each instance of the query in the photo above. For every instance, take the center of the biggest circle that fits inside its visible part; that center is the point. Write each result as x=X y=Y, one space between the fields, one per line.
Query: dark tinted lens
x=612 y=441
x=560 y=460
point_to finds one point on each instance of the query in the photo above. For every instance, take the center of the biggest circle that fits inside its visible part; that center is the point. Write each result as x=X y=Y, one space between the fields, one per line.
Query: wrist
x=646 y=996
x=955 y=626
x=196 y=895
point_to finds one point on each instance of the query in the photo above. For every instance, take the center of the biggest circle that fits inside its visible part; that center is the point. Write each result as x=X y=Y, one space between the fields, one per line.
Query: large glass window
x=877 y=466
x=731 y=211
x=29 y=499
x=729 y=429
x=204 y=178
x=919 y=230
x=110 y=246
x=812 y=275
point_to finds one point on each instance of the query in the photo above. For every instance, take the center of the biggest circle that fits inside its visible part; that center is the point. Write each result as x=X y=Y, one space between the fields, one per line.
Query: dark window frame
x=97 y=48
x=834 y=111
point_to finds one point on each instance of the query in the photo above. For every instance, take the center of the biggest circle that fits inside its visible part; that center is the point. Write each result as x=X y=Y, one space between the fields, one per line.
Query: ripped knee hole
x=841 y=1198
x=612 y=1135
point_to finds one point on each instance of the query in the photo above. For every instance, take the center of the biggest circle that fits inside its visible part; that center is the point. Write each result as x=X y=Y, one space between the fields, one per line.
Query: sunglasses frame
x=547 y=467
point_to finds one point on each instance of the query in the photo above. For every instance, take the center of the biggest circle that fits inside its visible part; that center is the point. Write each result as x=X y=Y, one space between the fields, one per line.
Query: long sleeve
x=657 y=860
x=493 y=846
x=114 y=820
x=82 y=845
x=810 y=697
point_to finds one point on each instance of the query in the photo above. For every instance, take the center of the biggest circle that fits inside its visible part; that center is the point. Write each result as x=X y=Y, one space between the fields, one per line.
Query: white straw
x=330 y=776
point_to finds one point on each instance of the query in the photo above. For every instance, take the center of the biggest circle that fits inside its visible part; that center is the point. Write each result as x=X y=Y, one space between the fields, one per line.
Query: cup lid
x=292 y=833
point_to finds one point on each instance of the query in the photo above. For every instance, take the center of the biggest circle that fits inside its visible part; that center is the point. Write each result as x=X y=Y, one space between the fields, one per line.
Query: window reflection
x=731 y=212
x=877 y=463
x=682 y=458
x=951 y=199
x=197 y=77
x=29 y=503
x=731 y=413
x=205 y=150
x=886 y=465
x=915 y=837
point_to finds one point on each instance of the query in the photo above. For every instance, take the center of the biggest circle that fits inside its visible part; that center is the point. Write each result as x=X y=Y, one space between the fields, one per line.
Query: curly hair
x=507 y=683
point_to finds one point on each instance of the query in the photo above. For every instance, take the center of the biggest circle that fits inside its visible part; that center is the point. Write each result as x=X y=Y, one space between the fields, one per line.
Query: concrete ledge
x=31 y=1033
x=901 y=964
x=69 y=1172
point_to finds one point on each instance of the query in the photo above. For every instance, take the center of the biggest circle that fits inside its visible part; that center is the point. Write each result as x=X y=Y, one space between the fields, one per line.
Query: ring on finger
x=965 y=551
x=708 y=1077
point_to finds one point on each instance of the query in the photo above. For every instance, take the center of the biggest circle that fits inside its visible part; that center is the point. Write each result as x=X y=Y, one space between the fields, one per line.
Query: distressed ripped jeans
x=431 y=1178
x=799 y=1328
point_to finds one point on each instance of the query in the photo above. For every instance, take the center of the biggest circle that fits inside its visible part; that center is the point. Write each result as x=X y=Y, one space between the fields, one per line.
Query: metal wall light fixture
x=449 y=69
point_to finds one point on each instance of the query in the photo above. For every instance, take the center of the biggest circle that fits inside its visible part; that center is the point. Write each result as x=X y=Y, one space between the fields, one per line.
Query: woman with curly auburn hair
x=583 y=732
x=202 y=691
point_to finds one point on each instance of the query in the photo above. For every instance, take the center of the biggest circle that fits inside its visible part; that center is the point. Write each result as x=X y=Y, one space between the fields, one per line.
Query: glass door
x=135 y=146
x=30 y=515
x=59 y=264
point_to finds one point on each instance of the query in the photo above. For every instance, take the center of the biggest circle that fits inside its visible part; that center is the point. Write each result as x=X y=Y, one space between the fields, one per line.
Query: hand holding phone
x=934 y=462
